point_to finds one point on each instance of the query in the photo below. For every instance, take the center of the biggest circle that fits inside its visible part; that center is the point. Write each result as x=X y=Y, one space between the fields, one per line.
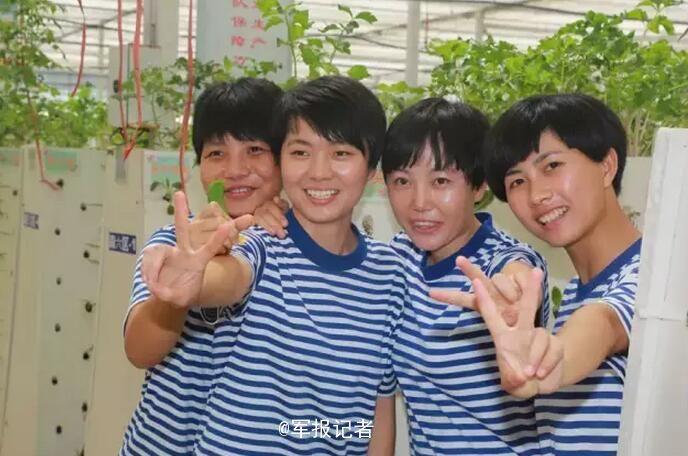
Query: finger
x=553 y=356
x=512 y=378
x=473 y=272
x=206 y=212
x=243 y=222
x=151 y=263
x=207 y=224
x=163 y=293
x=453 y=297
x=538 y=348
x=552 y=382
x=488 y=309
x=181 y=219
x=507 y=287
x=217 y=211
x=530 y=283
x=277 y=207
x=283 y=206
x=216 y=242
x=268 y=222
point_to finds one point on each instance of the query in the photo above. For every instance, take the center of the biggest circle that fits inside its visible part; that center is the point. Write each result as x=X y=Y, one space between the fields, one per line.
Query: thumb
x=215 y=243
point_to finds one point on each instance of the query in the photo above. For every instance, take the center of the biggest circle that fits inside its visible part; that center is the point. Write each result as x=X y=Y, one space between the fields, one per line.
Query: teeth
x=239 y=190
x=423 y=224
x=321 y=194
x=552 y=215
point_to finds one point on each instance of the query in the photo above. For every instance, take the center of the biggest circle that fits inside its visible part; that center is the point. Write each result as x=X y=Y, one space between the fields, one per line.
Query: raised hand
x=174 y=274
x=204 y=224
x=530 y=359
x=501 y=287
x=270 y=216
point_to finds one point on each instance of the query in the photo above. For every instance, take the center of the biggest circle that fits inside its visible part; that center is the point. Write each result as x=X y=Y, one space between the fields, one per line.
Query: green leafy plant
x=165 y=90
x=316 y=51
x=398 y=96
x=24 y=32
x=168 y=188
x=646 y=84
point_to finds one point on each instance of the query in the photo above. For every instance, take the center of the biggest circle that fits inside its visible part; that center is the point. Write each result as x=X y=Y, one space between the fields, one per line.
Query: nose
x=539 y=193
x=421 y=198
x=236 y=167
x=321 y=166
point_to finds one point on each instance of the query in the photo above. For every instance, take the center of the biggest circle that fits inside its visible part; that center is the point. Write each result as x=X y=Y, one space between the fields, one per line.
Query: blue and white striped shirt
x=444 y=356
x=584 y=419
x=168 y=416
x=302 y=372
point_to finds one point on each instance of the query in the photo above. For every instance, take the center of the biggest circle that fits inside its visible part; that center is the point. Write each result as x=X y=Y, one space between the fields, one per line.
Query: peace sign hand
x=522 y=348
x=174 y=274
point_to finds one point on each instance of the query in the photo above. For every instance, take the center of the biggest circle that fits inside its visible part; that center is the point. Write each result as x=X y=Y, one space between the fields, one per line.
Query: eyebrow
x=298 y=141
x=537 y=160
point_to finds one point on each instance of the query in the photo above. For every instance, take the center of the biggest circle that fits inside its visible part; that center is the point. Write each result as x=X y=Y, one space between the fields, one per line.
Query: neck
x=455 y=244
x=336 y=237
x=606 y=240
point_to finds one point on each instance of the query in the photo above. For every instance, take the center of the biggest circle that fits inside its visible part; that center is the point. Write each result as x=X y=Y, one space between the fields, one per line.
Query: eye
x=442 y=181
x=342 y=153
x=515 y=183
x=214 y=154
x=256 y=150
x=298 y=153
x=400 y=181
x=552 y=165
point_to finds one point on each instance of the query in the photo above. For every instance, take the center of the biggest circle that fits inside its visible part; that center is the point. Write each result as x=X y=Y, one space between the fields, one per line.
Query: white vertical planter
x=131 y=212
x=51 y=361
x=10 y=216
x=655 y=409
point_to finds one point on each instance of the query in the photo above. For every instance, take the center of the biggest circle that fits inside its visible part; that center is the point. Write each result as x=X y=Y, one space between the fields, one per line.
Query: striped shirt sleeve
x=621 y=296
x=525 y=254
x=251 y=249
x=139 y=290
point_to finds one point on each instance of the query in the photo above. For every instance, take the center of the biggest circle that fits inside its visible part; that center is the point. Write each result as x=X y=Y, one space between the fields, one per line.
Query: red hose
x=37 y=140
x=83 y=49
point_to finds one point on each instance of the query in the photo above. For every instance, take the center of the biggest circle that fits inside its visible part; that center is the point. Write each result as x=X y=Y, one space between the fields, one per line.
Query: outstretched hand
x=174 y=274
x=530 y=359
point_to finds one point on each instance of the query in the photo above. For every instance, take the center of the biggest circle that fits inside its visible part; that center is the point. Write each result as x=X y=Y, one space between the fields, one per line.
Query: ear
x=479 y=193
x=610 y=166
x=371 y=174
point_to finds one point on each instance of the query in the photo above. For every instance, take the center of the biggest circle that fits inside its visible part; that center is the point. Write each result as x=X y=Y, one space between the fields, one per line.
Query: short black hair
x=456 y=132
x=580 y=121
x=339 y=109
x=242 y=108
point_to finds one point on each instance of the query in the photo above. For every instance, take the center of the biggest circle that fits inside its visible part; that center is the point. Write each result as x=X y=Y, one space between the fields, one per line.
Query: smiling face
x=558 y=193
x=323 y=180
x=247 y=168
x=435 y=208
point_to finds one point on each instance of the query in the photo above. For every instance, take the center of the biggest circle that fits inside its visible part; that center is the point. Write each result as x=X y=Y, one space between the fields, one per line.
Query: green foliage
x=24 y=33
x=168 y=188
x=77 y=121
x=398 y=96
x=166 y=88
x=72 y=122
x=646 y=84
x=316 y=50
